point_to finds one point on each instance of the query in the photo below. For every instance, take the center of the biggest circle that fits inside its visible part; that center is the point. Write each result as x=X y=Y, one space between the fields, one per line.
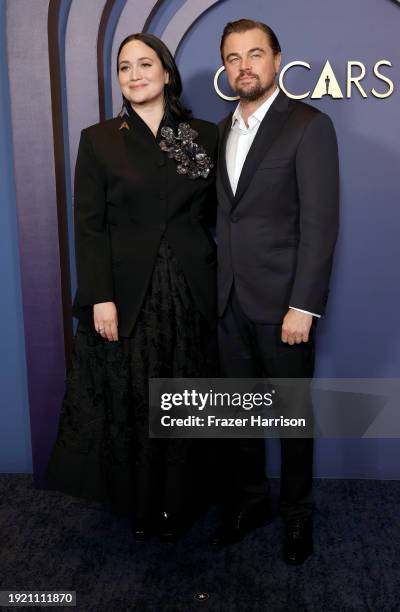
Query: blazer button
x=161 y=162
x=235 y=219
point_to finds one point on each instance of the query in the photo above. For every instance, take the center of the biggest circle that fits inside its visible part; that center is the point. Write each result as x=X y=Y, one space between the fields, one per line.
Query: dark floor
x=49 y=541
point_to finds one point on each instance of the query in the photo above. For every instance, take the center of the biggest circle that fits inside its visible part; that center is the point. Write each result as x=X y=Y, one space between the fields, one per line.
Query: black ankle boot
x=141 y=529
x=172 y=527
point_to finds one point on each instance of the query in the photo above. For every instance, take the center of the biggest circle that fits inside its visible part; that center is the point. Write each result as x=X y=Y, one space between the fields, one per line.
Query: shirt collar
x=258 y=114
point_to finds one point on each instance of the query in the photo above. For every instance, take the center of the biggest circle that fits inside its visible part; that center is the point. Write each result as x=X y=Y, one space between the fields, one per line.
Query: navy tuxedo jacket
x=276 y=235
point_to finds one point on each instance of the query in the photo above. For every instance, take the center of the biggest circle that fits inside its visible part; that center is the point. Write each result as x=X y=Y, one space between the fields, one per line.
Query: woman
x=146 y=297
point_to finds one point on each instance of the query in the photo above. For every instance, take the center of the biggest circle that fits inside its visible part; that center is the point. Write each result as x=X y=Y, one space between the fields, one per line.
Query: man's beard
x=254 y=92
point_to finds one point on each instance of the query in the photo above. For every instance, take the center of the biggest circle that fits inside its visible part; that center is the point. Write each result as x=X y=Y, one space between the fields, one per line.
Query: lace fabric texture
x=103 y=451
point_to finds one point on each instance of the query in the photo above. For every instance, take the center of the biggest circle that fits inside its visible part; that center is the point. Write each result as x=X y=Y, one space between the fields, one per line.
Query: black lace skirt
x=103 y=451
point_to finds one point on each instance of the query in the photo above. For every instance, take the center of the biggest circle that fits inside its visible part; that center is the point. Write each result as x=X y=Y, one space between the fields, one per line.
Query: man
x=277 y=224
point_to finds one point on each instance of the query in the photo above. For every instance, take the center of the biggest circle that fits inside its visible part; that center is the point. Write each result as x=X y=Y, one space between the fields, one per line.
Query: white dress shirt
x=240 y=139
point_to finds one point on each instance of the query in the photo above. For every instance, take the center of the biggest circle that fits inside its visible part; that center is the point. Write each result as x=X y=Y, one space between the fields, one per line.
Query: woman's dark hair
x=173 y=89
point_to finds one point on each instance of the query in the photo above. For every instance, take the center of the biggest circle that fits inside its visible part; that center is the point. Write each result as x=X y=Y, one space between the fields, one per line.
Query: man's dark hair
x=173 y=89
x=243 y=25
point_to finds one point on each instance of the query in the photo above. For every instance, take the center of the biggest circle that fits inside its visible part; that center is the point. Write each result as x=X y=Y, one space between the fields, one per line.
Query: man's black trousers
x=255 y=350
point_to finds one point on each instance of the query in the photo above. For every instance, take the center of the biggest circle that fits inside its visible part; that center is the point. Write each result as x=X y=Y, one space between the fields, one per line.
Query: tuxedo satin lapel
x=268 y=131
x=130 y=143
x=222 y=169
x=138 y=138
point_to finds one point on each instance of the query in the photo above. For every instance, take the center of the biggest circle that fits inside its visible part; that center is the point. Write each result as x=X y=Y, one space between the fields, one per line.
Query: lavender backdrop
x=359 y=337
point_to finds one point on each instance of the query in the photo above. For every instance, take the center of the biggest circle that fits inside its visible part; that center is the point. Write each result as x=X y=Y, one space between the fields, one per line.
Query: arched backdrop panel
x=61 y=63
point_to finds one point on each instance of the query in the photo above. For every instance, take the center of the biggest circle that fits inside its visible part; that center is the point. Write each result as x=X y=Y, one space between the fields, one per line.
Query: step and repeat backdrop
x=58 y=76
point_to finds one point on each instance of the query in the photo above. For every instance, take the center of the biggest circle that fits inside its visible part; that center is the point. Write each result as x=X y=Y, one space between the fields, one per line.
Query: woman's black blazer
x=128 y=195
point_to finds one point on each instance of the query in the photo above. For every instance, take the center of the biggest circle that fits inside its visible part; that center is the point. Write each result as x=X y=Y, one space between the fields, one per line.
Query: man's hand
x=296 y=327
x=106 y=320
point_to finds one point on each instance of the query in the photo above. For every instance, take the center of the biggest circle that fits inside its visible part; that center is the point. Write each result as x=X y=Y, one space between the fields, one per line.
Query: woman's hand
x=106 y=320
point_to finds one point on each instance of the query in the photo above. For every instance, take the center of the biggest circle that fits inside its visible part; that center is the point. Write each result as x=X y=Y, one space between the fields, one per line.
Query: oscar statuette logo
x=327 y=83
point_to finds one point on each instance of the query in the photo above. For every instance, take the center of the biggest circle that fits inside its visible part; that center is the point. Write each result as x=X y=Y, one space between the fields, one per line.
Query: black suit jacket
x=276 y=236
x=128 y=194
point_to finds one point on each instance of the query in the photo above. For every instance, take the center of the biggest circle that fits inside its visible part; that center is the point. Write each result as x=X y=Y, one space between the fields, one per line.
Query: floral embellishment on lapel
x=192 y=157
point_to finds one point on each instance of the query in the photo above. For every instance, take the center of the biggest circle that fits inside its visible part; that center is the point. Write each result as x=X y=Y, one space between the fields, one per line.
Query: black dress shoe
x=172 y=527
x=298 y=541
x=237 y=525
x=141 y=529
